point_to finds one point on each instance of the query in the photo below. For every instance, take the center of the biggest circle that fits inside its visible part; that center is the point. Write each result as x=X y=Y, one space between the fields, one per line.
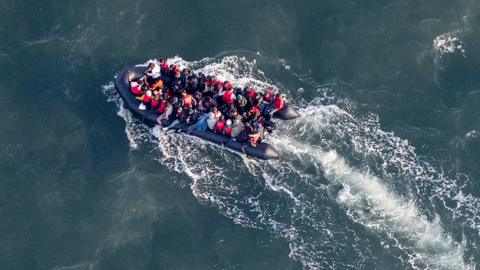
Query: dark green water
x=380 y=172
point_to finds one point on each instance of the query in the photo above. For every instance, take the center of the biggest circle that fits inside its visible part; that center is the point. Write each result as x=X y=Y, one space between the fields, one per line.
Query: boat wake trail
x=344 y=193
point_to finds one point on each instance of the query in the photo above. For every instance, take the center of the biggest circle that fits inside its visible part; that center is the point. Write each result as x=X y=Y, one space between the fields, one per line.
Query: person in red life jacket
x=146 y=98
x=164 y=67
x=251 y=92
x=255 y=137
x=228 y=128
x=162 y=105
x=253 y=114
x=136 y=88
x=217 y=85
x=279 y=101
x=220 y=125
x=188 y=100
x=155 y=99
x=228 y=95
x=268 y=96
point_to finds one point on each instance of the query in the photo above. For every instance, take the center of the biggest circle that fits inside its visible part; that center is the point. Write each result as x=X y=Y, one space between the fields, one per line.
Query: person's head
x=151 y=65
x=179 y=109
x=214 y=109
x=229 y=122
x=227 y=85
x=184 y=93
x=163 y=60
x=239 y=97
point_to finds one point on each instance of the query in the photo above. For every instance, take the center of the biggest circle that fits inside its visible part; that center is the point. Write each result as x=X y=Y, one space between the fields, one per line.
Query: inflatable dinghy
x=262 y=151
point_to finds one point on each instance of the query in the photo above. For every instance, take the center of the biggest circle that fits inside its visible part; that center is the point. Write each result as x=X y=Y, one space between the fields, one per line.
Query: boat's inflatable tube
x=262 y=151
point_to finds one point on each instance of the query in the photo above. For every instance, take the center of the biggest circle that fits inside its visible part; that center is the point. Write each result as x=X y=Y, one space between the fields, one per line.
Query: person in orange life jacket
x=255 y=137
x=228 y=128
x=220 y=125
x=158 y=85
x=188 y=100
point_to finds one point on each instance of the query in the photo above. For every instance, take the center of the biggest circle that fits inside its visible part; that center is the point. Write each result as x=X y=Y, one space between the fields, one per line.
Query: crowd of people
x=205 y=102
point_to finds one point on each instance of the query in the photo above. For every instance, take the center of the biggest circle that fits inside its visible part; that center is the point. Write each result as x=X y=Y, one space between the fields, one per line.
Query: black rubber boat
x=262 y=151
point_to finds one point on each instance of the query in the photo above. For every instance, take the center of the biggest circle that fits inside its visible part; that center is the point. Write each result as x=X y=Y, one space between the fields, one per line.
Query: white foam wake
x=291 y=197
x=372 y=204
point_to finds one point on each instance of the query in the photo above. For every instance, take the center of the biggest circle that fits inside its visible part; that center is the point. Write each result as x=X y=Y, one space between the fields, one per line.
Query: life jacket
x=187 y=101
x=146 y=99
x=217 y=86
x=228 y=131
x=162 y=106
x=135 y=89
x=255 y=111
x=279 y=103
x=228 y=86
x=251 y=92
x=219 y=126
x=268 y=96
x=228 y=97
x=158 y=85
x=164 y=69
x=154 y=102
